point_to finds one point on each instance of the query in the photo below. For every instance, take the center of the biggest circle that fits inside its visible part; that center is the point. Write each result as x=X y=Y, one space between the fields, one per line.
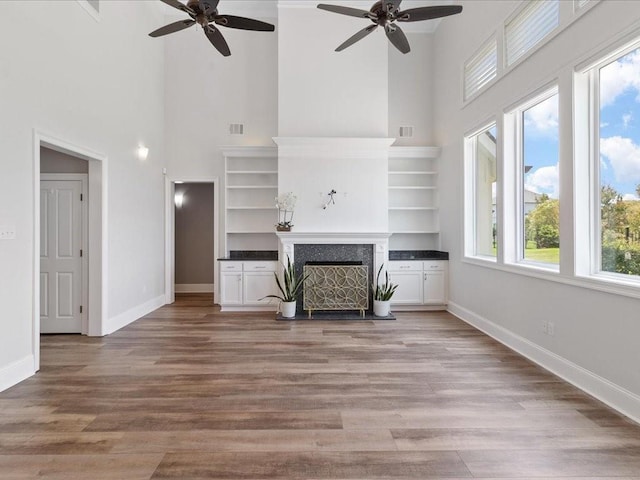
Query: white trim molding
x=194 y=287
x=16 y=372
x=616 y=397
x=122 y=320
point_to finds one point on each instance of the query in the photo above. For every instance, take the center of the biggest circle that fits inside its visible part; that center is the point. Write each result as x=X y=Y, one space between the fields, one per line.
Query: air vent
x=236 y=129
x=406 y=132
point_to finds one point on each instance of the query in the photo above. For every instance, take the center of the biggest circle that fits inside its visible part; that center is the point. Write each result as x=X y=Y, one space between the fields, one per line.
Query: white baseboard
x=616 y=397
x=194 y=288
x=133 y=314
x=16 y=372
x=246 y=308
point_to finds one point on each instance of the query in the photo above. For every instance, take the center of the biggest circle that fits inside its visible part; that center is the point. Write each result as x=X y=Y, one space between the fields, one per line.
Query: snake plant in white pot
x=382 y=293
x=289 y=288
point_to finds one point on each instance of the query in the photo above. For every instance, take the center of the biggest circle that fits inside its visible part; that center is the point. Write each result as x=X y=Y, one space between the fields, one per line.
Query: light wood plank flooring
x=190 y=393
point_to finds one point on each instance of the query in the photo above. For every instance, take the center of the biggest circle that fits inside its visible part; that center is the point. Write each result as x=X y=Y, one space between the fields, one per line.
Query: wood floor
x=190 y=393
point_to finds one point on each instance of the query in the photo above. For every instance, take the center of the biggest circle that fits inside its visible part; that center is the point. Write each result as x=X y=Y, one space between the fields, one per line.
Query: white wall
x=324 y=93
x=355 y=168
x=596 y=338
x=205 y=92
x=411 y=90
x=97 y=85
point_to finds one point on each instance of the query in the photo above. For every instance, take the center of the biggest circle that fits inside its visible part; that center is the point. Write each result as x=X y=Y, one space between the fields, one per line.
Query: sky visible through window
x=620 y=125
x=540 y=147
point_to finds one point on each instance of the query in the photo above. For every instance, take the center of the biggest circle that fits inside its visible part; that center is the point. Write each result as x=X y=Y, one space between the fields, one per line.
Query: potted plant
x=286 y=203
x=289 y=288
x=382 y=293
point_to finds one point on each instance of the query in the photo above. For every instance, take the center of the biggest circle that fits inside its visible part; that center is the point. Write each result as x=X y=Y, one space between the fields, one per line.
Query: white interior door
x=61 y=256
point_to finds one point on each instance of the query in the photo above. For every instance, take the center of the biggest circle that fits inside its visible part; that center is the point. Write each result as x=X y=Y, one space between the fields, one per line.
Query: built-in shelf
x=251 y=186
x=413 y=198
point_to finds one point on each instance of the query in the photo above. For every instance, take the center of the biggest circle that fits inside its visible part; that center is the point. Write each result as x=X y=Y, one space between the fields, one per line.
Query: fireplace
x=367 y=250
x=335 y=286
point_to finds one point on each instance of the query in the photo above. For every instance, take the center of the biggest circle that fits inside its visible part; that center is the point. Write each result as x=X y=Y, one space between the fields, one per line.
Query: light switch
x=7 y=233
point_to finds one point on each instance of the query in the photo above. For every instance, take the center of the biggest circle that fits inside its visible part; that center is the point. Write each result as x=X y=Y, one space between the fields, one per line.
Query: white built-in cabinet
x=413 y=198
x=421 y=284
x=243 y=284
x=251 y=187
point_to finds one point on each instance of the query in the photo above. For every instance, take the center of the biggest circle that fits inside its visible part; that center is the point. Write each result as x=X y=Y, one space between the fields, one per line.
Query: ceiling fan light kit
x=384 y=14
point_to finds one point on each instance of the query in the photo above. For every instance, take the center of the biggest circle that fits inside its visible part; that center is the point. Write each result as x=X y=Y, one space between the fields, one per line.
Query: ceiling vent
x=406 y=132
x=236 y=129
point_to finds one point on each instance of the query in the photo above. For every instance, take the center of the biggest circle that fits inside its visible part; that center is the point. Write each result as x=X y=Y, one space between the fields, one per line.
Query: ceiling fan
x=384 y=14
x=205 y=13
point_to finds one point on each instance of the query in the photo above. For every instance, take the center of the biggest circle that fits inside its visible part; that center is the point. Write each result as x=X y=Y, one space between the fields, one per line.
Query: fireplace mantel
x=380 y=241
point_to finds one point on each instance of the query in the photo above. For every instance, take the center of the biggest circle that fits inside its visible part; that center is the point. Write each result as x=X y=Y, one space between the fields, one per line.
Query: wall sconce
x=179 y=199
x=143 y=152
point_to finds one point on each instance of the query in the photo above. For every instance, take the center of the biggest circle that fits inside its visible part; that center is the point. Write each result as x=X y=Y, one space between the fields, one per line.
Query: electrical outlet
x=551 y=328
x=7 y=233
x=545 y=327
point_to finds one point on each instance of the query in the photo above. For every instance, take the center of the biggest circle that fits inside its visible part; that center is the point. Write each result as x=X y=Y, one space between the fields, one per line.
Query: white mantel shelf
x=379 y=240
x=332 y=237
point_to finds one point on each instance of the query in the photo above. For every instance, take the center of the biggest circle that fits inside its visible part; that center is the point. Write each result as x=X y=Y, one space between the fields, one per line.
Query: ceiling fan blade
x=217 y=40
x=391 y=5
x=352 y=12
x=397 y=38
x=428 y=13
x=358 y=36
x=243 y=23
x=209 y=6
x=179 y=6
x=172 y=27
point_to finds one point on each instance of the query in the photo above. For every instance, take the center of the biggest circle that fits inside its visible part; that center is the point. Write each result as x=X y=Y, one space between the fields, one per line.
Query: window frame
x=514 y=170
x=507 y=64
x=470 y=231
x=486 y=46
x=591 y=75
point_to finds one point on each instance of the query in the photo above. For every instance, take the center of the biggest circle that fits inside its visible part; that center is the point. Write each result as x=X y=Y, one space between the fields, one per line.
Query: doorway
x=192 y=238
x=93 y=167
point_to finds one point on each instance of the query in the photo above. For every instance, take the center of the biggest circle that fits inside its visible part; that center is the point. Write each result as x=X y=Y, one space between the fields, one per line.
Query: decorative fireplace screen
x=336 y=287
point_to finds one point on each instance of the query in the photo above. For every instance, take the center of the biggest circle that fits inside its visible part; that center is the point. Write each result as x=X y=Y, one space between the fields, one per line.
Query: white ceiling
x=269 y=9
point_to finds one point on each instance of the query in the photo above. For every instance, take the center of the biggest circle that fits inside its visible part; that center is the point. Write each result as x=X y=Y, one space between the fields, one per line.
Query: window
x=529 y=27
x=481 y=68
x=481 y=179
x=537 y=167
x=618 y=145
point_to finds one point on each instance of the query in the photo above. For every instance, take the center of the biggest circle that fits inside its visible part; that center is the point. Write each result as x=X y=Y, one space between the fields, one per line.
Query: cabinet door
x=435 y=290
x=257 y=285
x=409 y=291
x=230 y=288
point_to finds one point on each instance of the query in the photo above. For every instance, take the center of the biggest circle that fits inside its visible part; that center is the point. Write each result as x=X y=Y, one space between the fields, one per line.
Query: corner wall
x=596 y=340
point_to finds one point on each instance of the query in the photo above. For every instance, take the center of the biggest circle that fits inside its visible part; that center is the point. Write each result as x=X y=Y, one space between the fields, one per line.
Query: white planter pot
x=288 y=309
x=381 y=308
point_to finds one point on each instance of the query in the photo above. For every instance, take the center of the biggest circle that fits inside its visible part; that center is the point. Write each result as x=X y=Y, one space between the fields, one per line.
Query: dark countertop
x=272 y=255
x=418 y=255
x=250 y=255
